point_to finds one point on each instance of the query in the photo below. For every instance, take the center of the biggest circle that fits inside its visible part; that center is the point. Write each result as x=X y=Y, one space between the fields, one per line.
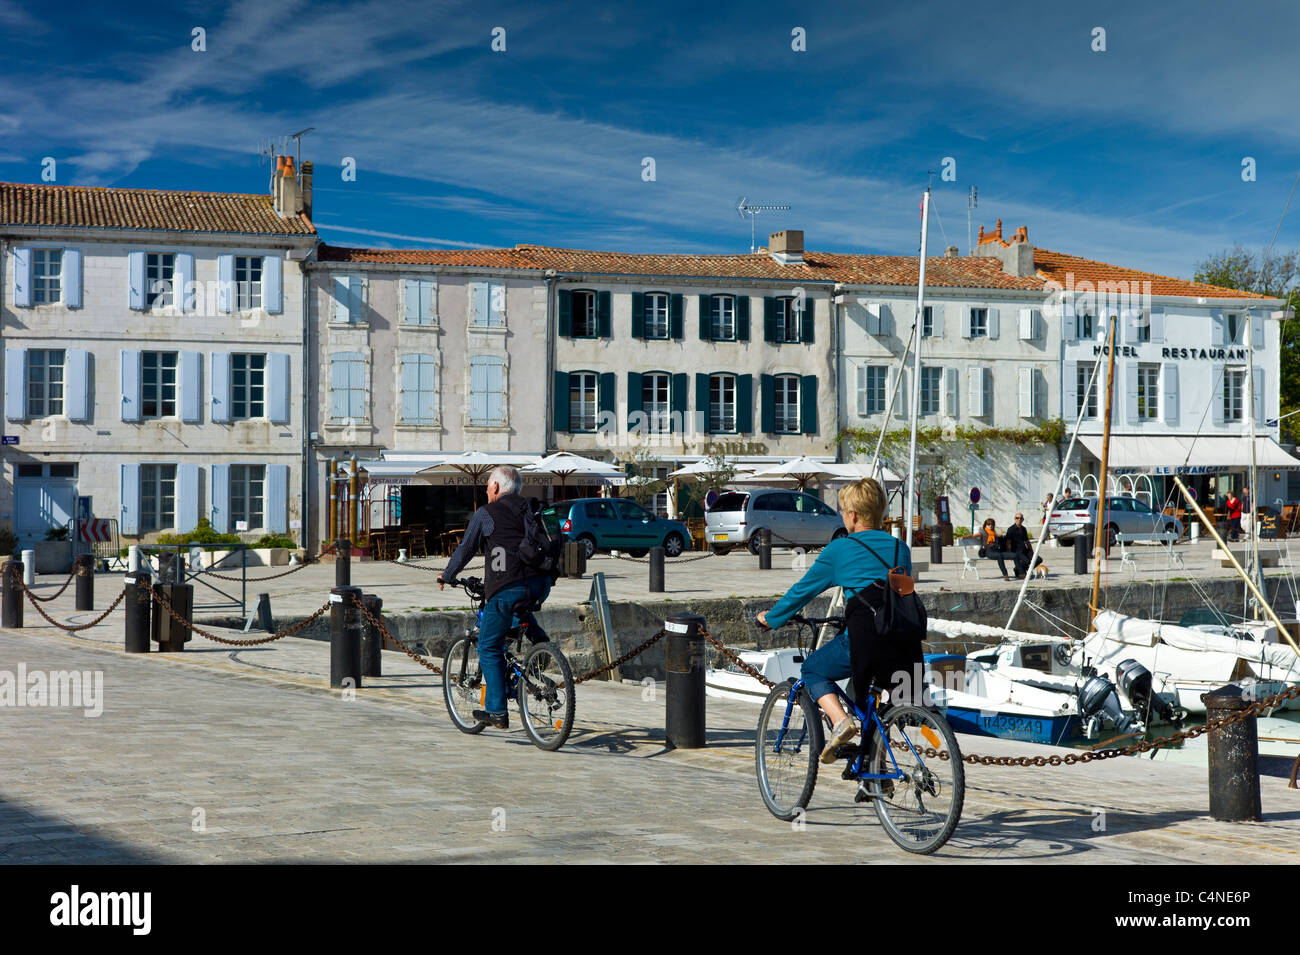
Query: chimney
x=952 y=252
x=305 y=184
x=786 y=247
x=284 y=188
x=1016 y=254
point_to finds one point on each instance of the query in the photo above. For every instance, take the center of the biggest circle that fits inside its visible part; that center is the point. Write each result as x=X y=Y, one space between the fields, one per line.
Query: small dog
x=1040 y=570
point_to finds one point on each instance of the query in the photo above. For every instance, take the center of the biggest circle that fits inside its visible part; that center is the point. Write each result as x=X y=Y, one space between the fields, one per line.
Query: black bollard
x=936 y=544
x=1082 y=550
x=764 y=549
x=345 y=636
x=11 y=594
x=139 y=601
x=170 y=634
x=84 y=565
x=342 y=562
x=684 y=661
x=1233 y=758
x=656 y=570
x=574 y=558
x=372 y=641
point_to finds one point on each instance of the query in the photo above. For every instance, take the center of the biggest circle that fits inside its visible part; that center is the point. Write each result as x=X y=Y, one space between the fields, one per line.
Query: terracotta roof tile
x=480 y=258
x=1070 y=270
x=27 y=204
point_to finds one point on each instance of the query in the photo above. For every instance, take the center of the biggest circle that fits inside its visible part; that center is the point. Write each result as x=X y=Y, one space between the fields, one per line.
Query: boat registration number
x=1012 y=724
x=720 y=537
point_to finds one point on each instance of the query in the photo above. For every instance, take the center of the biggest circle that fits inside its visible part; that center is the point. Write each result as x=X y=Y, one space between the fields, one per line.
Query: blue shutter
x=604 y=315
x=357 y=299
x=606 y=399
x=808 y=323
x=638 y=314
x=129 y=500
x=72 y=278
x=769 y=319
x=767 y=403
x=277 y=388
x=428 y=406
x=561 y=401
x=357 y=387
x=496 y=371
x=410 y=387
x=742 y=318
x=184 y=281
x=130 y=362
x=676 y=309
x=680 y=410
x=191 y=362
x=135 y=280
x=219 y=488
x=482 y=303
x=745 y=404
x=225 y=283
x=277 y=498
x=339 y=366
x=187 y=497
x=701 y=406
x=497 y=305
x=565 y=308
x=706 y=307
x=633 y=394
x=412 y=287
x=478 y=392
x=219 y=379
x=16 y=384
x=808 y=404
x=78 y=384
x=22 y=278
x=342 y=287
x=272 y=284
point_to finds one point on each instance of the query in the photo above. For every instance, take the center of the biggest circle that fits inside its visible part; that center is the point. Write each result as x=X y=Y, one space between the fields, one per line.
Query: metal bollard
x=1082 y=551
x=684 y=660
x=11 y=594
x=29 y=568
x=656 y=570
x=764 y=549
x=1234 y=758
x=575 y=559
x=134 y=563
x=372 y=641
x=139 y=602
x=936 y=544
x=84 y=568
x=342 y=562
x=345 y=636
x=169 y=633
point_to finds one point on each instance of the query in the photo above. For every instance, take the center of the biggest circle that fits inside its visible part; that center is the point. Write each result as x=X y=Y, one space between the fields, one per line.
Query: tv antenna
x=971 y=202
x=297 y=140
x=752 y=209
x=268 y=149
x=266 y=152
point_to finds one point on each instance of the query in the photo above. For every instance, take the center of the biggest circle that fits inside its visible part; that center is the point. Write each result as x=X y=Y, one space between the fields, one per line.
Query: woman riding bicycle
x=853 y=564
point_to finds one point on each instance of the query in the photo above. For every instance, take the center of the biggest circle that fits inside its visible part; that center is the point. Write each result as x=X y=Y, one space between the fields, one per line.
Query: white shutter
x=1068 y=320
x=872 y=310
x=988 y=393
x=1070 y=391
x=1258 y=395
x=900 y=402
x=1170 y=372
x=1131 y=392
x=1219 y=328
x=1026 y=389
x=1128 y=319
x=1220 y=385
x=937 y=321
x=342 y=297
x=1257 y=328
x=975 y=391
x=1026 y=317
x=951 y=387
x=995 y=329
x=1157 y=324
x=965 y=323
x=861 y=372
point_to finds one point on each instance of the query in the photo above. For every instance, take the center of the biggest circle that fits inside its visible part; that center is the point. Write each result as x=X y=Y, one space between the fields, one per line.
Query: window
x=722 y=403
x=979 y=323
x=1083 y=395
x=787 y=404
x=582 y=402
x=489 y=309
x=927 y=324
x=656 y=315
x=158 y=385
x=1148 y=393
x=44 y=382
x=1142 y=321
x=656 y=403
x=1233 y=328
x=723 y=319
x=247 y=386
x=419 y=389
x=487 y=391
x=247 y=494
x=347 y=387
x=157 y=496
x=1085 y=325
x=248 y=282
x=584 y=314
x=159 y=279
x=47 y=276
x=871 y=389
x=420 y=308
x=931 y=381
x=787 y=321
x=1234 y=380
x=631 y=511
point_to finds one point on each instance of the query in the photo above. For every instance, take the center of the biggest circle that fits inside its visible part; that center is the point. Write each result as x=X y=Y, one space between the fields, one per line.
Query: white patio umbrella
x=564 y=464
x=705 y=467
x=856 y=470
x=803 y=470
x=476 y=464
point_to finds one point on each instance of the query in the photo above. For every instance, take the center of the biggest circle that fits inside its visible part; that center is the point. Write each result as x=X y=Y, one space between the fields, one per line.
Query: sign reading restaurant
x=1204 y=354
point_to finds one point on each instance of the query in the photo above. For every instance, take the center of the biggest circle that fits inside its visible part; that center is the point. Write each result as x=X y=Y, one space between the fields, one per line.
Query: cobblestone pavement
x=277 y=767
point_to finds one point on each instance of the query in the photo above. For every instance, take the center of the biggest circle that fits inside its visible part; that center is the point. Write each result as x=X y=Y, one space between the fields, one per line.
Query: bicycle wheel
x=787 y=775
x=462 y=685
x=546 y=696
x=920 y=811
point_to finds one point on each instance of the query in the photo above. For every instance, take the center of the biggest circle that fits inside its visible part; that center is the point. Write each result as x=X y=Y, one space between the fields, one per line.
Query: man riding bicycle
x=853 y=563
x=496 y=530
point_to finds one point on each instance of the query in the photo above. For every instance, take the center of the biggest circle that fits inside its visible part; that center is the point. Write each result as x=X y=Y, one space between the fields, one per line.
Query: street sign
x=1271 y=422
x=710 y=499
x=974 y=495
x=9 y=439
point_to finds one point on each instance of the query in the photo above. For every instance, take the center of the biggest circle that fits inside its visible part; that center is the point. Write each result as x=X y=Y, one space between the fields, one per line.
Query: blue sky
x=1132 y=155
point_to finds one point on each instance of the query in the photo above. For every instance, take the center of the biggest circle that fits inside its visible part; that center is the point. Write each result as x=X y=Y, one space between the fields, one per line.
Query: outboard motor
x=1099 y=704
x=1135 y=682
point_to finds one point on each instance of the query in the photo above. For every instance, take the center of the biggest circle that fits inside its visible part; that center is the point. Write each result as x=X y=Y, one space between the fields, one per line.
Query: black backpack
x=539 y=550
x=885 y=646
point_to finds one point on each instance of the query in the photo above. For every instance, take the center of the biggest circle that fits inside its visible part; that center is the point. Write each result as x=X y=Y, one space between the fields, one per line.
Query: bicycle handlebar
x=815 y=622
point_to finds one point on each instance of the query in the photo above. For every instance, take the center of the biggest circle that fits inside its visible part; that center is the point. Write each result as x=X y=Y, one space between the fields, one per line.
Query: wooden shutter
x=742 y=318
x=995 y=323
x=607 y=396
x=184 y=293
x=410 y=376
x=634 y=403
x=277 y=388
x=272 y=284
x=130 y=380
x=561 y=400
x=496 y=312
x=77 y=387
x=1219 y=329
x=638 y=314
x=1256 y=327
x=808 y=404
x=342 y=298
x=187 y=497
x=219 y=491
x=767 y=404
x=1026 y=390
x=808 y=323
x=675 y=316
x=16 y=384
x=769 y=319
x=975 y=388
x=1069 y=320
x=1257 y=394
x=219 y=386
x=702 y=403
x=225 y=282
x=481 y=302
x=745 y=404
x=1131 y=392
x=72 y=278
x=1070 y=391
x=565 y=309
x=411 y=289
x=22 y=278
x=277 y=498
x=706 y=309
x=1170 y=372
x=951 y=387
x=190 y=363
x=604 y=318
x=680 y=409
x=129 y=499
x=1157 y=324
x=135 y=280
x=936 y=319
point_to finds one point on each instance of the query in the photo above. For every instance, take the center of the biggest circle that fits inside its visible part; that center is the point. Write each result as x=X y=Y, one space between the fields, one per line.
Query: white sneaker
x=844 y=731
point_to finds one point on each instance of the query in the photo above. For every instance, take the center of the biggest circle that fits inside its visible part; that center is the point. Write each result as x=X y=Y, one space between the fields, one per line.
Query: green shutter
x=808 y=328
x=706 y=307
x=745 y=404
x=808 y=404
x=679 y=407
x=638 y=314
x=633 y=394
x=677 y=309
x=603 y=322
x=767 y=403
x=702 y=403
x=566 y=327
x=561 y=400
x=769 y=319
x=742 y=318
x=608 y=384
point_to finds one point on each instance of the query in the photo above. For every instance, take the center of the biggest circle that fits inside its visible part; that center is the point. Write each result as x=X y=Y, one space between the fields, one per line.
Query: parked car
x=610 y=523
x=793 y=517
x=1124 y=515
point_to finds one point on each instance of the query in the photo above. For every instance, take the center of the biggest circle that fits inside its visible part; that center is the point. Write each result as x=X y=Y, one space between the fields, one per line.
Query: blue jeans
x=826 y=666
x=496 y=623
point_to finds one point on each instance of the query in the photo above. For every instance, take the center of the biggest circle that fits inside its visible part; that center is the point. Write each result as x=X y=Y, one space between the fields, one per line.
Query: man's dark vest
x=501 y=549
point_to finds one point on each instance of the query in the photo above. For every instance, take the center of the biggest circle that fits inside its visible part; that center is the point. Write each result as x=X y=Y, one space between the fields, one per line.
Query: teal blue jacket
x=842 y=563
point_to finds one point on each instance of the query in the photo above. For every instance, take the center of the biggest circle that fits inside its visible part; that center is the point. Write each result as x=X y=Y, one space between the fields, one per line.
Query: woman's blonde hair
x=865 y=498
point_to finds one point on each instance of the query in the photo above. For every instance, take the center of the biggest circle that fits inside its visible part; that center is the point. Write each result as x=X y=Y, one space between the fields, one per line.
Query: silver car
x=1124 y=515
x=793 y=517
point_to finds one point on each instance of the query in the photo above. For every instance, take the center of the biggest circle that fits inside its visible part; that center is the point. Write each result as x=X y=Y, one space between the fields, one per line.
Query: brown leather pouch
x=901 y=583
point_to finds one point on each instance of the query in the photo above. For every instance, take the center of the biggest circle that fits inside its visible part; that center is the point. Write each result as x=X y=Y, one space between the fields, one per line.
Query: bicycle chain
x=61 y=589
x=279 y=635
x=383 y=631
x=85 y=626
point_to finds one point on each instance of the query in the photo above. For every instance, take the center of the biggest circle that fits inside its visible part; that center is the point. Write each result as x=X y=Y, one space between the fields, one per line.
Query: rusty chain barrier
x=383 y=631
x=635 y=652
x=32 y=598
x=667 y=560
x=71 y=576
x=257 y=580
x=279 y=635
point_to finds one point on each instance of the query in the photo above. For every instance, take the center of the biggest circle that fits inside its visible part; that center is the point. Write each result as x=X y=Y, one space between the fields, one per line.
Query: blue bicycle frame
x=869 y=721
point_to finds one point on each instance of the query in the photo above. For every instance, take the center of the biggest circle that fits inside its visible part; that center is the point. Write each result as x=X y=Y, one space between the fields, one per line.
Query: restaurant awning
x=1169 y=454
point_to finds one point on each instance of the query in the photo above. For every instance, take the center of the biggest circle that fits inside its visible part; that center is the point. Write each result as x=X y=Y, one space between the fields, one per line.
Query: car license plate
x=719 y=537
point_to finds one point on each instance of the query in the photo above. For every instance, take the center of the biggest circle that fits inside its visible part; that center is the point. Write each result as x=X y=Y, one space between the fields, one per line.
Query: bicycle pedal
x=862 y=795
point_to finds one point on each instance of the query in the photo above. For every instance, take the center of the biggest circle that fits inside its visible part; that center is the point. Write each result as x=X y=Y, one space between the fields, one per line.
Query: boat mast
x=1256 y=571
x=1103 y=486
x=916 y=373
